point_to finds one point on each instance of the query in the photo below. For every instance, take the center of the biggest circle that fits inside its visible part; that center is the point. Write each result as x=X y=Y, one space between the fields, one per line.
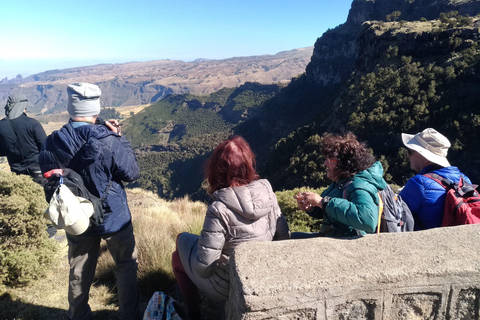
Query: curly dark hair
x=353 y=156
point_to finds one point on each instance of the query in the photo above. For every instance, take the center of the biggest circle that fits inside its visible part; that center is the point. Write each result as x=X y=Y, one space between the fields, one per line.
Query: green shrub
x=25 y=250
x=109 y=113
x=298 y=220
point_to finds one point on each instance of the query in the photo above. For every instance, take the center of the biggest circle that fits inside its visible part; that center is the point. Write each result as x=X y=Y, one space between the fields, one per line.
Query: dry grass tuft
x=156 y=225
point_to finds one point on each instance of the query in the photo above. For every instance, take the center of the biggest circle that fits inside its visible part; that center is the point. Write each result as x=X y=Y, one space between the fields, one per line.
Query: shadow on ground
x=18 y=310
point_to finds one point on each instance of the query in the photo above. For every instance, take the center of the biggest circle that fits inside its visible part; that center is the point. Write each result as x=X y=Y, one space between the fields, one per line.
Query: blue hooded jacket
x=426 y=198
x=99 y=156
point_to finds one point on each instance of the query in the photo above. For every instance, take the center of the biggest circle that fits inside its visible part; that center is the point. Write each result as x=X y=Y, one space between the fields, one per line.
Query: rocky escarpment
x=411 y=10
x=424 y=41
x=335 y=53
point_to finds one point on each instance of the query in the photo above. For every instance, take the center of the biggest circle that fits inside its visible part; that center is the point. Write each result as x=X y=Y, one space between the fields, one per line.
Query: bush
x=298 y=220
x=109 y=113
x=25 y=250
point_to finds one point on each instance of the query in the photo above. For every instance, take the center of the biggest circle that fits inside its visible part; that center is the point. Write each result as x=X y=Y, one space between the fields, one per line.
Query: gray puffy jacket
x=236 y=215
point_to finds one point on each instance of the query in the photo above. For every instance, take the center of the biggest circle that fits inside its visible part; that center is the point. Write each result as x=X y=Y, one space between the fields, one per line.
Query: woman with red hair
x=243 y=208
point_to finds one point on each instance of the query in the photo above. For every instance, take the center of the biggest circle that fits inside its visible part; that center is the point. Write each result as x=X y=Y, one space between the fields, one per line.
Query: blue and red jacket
x=426 y=198
x=99 y=156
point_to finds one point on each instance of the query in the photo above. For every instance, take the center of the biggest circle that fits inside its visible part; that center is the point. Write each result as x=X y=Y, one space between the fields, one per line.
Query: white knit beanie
x=83 y=99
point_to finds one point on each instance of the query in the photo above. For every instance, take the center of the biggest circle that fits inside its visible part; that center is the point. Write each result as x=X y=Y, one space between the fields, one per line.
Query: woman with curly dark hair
x=244 y=208
x=349 y=206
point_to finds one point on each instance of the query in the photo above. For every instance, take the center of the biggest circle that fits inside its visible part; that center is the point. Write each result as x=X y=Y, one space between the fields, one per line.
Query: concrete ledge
x=433 y=274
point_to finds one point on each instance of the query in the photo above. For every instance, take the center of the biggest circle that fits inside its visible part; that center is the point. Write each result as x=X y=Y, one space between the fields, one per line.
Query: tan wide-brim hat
x=431 y=144
x=85 y=211
x=69 y=212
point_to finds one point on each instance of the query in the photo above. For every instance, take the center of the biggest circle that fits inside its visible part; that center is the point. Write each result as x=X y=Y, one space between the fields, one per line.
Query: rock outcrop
x=335 y=53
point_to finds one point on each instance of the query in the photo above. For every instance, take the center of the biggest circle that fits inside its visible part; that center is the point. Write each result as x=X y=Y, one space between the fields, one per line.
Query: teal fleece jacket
x=354 y=208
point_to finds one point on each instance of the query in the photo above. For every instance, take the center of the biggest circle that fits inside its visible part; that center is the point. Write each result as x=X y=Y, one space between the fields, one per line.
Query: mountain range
x=138 y=83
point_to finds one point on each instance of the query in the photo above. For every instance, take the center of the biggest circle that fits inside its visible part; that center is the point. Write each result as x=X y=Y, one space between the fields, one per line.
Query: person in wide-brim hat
x=424 y=196
x=430 y=144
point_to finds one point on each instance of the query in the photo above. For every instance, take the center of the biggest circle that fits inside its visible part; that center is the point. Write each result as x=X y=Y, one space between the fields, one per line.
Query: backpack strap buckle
x=50 y=173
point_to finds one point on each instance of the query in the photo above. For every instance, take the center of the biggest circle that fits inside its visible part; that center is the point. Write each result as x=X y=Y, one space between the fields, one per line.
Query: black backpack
x=74 y=182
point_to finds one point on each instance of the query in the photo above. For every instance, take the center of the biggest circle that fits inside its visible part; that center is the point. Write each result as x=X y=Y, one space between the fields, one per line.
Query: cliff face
x=411 y=10
x=335 y=53
x=424 y=41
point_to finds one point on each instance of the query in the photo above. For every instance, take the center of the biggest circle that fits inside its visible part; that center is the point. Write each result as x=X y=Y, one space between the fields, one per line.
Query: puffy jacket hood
x=250 y=201
x=373 y=175
x=66 y=143
x=451 y=173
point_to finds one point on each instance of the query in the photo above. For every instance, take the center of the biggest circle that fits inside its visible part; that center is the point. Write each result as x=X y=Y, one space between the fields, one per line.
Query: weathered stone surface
x=433 y=274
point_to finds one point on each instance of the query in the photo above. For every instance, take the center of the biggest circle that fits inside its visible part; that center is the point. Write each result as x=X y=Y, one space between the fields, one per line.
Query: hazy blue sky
x=40 y=35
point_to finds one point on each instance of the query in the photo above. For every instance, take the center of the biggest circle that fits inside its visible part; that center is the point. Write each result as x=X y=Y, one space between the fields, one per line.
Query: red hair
x=232 y=164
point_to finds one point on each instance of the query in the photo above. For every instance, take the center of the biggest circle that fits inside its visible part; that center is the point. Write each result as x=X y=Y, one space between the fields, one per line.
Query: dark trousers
x=83 y=254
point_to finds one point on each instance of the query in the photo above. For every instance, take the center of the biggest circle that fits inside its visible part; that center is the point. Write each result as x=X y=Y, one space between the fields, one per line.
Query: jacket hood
x=252 y=201
x=373 y=175
x=67 y=141
x=451 y=173
x=16 y=105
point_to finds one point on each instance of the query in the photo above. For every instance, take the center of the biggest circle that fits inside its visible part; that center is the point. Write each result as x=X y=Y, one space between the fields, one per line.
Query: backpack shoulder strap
x=380 y=211
x=444 y=182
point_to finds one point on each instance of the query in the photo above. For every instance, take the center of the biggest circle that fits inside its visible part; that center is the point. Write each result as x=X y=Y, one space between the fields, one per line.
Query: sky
x=41 y=35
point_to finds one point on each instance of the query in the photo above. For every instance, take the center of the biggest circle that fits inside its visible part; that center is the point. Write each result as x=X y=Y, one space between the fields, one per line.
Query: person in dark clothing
x=104 y=159
x=21 y=138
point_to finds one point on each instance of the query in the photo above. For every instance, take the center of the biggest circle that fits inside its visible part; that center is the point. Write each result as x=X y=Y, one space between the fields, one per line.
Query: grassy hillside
x=156 y=224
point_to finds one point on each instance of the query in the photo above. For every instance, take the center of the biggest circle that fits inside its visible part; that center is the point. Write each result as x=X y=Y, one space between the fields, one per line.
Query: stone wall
x=433 y=274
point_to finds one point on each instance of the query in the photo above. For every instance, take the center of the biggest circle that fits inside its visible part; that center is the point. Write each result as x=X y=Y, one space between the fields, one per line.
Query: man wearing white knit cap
x=424 y=196
x=97 y=151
